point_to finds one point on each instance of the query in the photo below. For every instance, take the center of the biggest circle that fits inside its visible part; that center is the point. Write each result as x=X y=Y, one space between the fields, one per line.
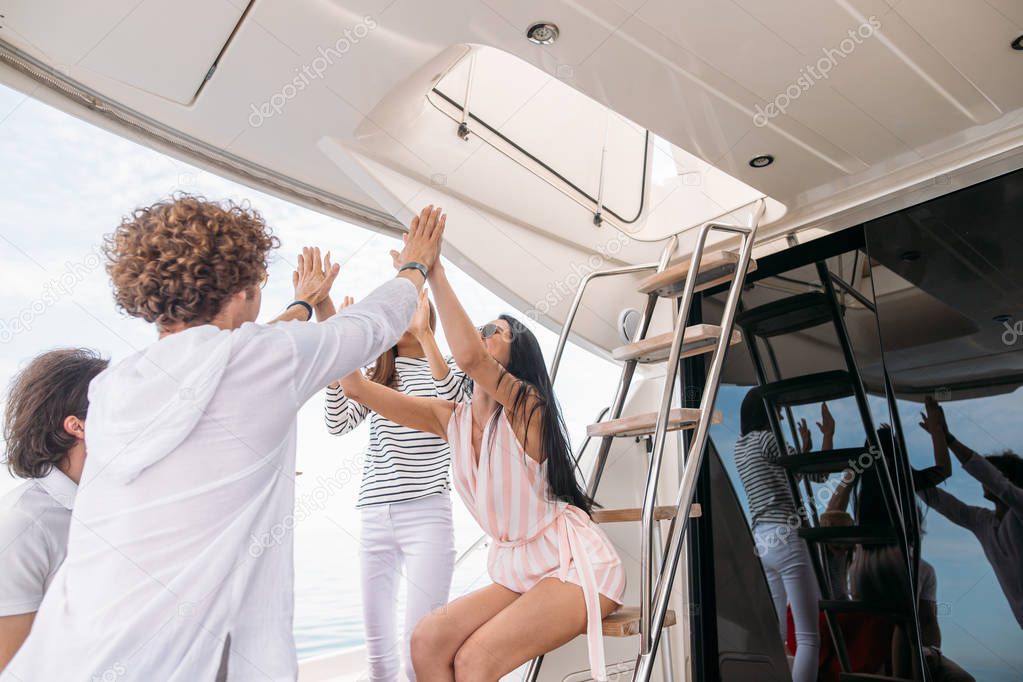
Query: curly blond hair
x=178 y=261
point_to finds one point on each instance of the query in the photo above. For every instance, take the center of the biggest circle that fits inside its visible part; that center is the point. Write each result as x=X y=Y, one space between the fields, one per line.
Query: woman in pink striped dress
x=555 y=573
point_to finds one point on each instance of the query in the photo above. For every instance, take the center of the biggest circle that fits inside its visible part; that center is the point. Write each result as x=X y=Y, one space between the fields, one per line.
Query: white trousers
x=790 y=576
x=414 y=539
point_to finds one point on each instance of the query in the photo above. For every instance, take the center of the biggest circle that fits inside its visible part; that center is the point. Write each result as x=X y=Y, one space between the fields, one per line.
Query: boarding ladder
x=678 y=282
x=791 y=315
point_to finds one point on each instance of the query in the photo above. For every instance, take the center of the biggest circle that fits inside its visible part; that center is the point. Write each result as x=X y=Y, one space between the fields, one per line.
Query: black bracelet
x=413 y=265
x=308 y=308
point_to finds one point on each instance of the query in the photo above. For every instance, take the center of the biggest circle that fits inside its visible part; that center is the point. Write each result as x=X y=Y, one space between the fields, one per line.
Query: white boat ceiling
x=352 y=107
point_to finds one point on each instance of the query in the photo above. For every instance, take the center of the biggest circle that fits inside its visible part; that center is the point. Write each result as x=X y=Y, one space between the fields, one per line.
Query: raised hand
x=420 y=324
x=313 y=277
x=423 y=240
x=347 y=301
x=827 y=422
x=933 y=418
x=804 y=436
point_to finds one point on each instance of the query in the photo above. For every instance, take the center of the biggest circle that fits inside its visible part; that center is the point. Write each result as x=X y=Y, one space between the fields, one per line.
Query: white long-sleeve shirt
x=401 y=464
x=1001 y=539
x=181 y=533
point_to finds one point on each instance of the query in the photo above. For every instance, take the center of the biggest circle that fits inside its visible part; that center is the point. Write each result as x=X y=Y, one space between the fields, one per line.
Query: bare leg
x=442 y=631
x=541 y=620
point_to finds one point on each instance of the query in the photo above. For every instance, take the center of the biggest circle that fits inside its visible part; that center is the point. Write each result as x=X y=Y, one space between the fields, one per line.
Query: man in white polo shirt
x=180 y=555
x=44 y=432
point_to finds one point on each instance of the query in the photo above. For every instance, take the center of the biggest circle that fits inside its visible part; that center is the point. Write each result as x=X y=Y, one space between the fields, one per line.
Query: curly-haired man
x=179 y=563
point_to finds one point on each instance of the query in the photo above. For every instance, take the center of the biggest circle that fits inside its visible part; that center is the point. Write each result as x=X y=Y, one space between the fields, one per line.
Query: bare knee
x=473 y=663
x=431 y=645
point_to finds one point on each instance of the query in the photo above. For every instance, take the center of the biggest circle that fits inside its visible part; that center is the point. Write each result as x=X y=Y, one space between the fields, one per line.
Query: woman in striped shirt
x=404 y=500
x=555 y=573
x=784 y=555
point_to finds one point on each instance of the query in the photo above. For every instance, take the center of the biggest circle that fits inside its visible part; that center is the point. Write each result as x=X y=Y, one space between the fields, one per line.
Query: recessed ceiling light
x=762 y=161
x=910 y=255
x=543 y=33
x=1018 y=43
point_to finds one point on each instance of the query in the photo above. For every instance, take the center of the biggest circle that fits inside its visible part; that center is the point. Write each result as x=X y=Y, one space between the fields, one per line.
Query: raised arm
x=421 y=329
x=839 y=500
x=932 y=420
x=312 y=280
x=472 y=356
x=990 y=477
x=354 y=337
x=430 y=415
x=954 y=509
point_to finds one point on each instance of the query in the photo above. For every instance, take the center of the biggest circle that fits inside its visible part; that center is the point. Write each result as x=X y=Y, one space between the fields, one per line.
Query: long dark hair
x=383 y=371
x=878 y=573
x=527 y=367
x=753 y=413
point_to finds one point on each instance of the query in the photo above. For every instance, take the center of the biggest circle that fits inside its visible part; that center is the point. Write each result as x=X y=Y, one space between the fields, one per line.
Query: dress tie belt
x=568 y=523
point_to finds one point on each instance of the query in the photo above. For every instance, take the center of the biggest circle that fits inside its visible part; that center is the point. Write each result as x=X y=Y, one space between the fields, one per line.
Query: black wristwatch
x=413 y=265
x=308 y=308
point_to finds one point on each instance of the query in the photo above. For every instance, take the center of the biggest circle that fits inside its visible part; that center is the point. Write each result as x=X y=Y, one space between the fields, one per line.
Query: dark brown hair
x=382 y=371
x=180 y=260
x=52 y=387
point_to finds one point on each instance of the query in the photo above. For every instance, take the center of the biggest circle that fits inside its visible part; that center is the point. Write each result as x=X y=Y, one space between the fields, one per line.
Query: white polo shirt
x=34 y=520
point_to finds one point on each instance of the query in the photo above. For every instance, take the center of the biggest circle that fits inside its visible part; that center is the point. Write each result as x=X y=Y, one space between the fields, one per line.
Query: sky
x=66 y=183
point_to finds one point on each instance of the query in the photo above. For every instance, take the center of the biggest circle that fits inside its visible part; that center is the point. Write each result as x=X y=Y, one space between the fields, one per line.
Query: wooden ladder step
x=698 y=339
x=715 y=268
x=661 y=513
x=625 y=622
x=679 y=418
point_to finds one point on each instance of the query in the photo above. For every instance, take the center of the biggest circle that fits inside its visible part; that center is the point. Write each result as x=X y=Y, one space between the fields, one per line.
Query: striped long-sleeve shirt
x=765 y=481
x=401 y=464
x=767 y=487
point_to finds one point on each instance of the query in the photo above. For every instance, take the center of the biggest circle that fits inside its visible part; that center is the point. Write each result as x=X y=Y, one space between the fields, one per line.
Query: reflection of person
x=180 y=558
x=555 y=572
x=878 y=574
x=784 y=555
x=999 y=530
x=405 y=508
x=44 y=432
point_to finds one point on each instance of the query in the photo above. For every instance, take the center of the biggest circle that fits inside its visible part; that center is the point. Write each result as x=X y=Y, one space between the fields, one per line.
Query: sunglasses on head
x=488 y=330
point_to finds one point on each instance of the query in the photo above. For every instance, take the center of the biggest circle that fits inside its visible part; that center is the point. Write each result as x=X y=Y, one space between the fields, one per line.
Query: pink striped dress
x=533 y=536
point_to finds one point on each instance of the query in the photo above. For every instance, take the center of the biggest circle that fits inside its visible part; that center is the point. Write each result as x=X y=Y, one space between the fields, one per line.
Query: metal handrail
x=651 y=617
x=567 y=326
